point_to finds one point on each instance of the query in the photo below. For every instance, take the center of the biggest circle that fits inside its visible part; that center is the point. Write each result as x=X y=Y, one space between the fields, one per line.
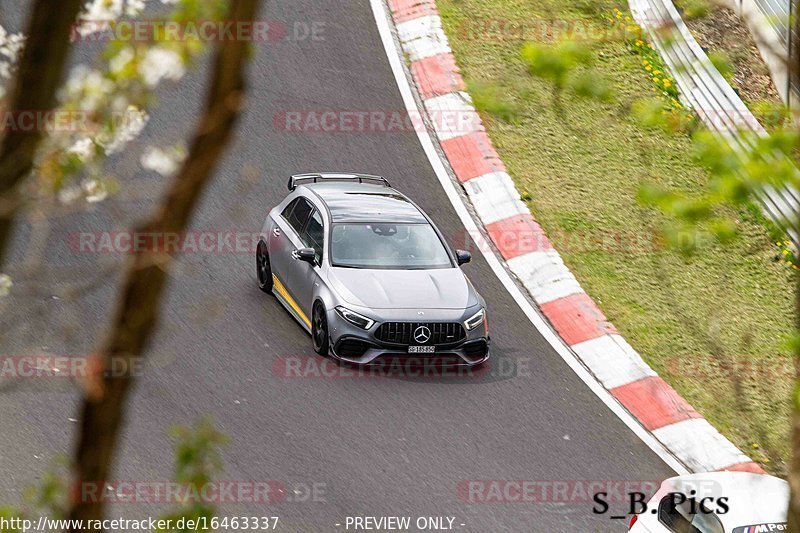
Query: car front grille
x=403 y=332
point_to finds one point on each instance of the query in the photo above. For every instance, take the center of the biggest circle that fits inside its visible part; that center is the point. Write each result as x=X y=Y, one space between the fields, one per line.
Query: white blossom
x=68 y=194
x=134 y=7
x=5 y=284
x=89 y=87
x=163 y=161
x=121 y=60
x=160 y=63
x=97 y=12
x=134 y=122
x=95 y=191
x=10 y=46
x=103 y=9
x=83 y=148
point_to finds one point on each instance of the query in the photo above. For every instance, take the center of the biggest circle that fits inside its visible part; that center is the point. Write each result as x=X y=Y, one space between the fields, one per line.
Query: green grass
x=716 y=325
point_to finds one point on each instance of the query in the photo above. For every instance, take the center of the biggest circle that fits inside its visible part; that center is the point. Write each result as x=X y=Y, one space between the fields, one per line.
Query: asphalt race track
x=365 y=446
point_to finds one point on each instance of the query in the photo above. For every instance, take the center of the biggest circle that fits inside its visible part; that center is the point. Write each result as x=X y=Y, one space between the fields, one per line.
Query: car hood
x=445 y=288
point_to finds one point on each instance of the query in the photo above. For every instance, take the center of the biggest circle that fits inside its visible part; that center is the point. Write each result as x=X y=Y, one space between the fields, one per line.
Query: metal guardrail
x=776 y=13
x=705 y=90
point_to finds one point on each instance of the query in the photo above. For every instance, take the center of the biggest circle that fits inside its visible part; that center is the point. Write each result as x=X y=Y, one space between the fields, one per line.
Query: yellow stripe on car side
x=289 y=300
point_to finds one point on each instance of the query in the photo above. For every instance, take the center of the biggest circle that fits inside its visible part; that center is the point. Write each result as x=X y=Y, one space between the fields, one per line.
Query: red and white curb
x=531 y=257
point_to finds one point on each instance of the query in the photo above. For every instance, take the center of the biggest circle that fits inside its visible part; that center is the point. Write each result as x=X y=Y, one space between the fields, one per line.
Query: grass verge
x=716 y=325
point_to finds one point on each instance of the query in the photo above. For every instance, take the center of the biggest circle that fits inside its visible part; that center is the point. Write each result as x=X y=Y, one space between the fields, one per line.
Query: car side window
x=287 y=211
x=675 y=518
x=707 y=523
x=297 y=214
x=314 y=235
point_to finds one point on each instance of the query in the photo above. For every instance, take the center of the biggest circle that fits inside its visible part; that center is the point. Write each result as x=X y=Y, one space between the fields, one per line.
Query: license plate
x=421 y=349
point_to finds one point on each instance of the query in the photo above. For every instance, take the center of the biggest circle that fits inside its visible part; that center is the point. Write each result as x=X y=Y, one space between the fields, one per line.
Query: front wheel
x=319 y=329
x=263 y=268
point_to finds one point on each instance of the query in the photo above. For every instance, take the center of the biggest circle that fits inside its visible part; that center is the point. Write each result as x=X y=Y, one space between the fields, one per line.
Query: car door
x=284 y=238
x=306 y=275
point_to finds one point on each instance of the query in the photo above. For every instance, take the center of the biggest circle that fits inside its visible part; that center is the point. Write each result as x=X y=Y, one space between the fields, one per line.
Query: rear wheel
x=263 y=268
x=319 y=329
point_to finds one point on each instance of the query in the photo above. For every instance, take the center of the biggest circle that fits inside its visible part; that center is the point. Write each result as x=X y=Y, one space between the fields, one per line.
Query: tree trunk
x=137 y=309
x=41 y=68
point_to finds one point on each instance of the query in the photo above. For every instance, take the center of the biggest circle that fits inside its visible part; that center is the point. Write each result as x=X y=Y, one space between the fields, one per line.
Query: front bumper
x=364 y=347
x=361 y=352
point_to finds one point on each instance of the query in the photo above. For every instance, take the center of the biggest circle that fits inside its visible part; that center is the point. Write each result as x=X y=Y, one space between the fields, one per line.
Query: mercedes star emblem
x=422 y=334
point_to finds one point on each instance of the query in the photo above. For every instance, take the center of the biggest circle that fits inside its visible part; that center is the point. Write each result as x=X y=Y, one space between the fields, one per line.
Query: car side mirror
x=463 y=256
x=305 y=254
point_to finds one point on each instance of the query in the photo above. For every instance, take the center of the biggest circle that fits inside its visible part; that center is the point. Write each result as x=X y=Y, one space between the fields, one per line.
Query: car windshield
x=388 y=246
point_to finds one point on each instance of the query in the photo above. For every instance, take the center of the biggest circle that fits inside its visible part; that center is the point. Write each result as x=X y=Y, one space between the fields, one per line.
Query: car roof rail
x=334 y=176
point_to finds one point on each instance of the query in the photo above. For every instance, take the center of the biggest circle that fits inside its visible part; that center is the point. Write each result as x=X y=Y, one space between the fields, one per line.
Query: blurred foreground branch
x=38 y=78
x=137 y=311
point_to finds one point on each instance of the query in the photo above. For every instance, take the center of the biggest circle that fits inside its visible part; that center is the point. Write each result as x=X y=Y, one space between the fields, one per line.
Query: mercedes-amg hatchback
x=368 y=274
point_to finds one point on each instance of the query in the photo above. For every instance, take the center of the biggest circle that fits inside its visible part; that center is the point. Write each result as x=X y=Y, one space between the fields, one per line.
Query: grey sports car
x=368 y=274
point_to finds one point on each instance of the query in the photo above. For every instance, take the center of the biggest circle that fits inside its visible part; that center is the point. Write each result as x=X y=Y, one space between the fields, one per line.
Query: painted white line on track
x=381 y=15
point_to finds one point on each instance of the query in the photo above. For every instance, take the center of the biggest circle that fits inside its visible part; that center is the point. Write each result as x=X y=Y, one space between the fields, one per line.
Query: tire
x=263 y=268
x=319 y=329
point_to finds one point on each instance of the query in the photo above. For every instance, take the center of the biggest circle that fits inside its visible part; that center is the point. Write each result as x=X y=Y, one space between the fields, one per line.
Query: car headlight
x=354 y=318
x=475 y=320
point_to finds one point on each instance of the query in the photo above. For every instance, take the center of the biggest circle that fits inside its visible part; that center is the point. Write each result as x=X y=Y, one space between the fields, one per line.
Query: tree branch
x=137 y=311
x=41 y=67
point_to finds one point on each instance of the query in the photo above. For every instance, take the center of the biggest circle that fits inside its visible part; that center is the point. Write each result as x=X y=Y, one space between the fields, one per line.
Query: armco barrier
x=706 y=91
